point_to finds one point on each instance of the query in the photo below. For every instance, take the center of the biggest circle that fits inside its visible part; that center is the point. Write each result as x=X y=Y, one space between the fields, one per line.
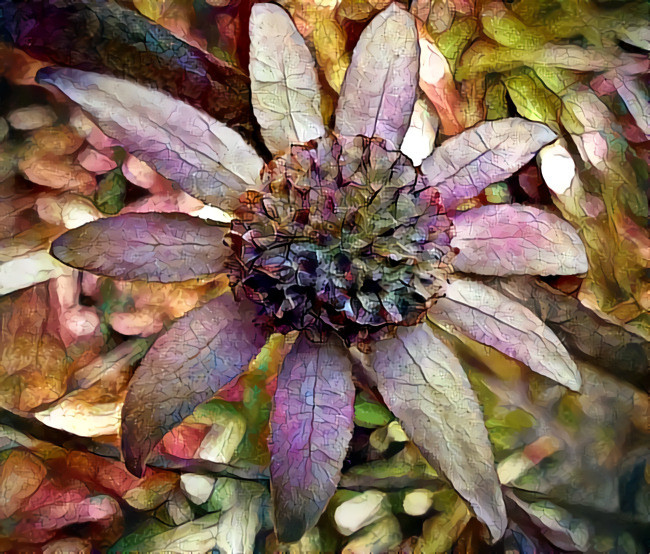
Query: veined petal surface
x=379 y=89
x=162 y=247
x=201 y=353
x=491 y=151
x=512 y=239
x=489 y=317
x=425 y=386
x=284 y=85
x=206 y=158
x=311 y=426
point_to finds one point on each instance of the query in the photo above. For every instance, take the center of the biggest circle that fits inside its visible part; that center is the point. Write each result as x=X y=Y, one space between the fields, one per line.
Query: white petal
x=557 y=166
x=379 y=89
x=489 y=152
x=284 y=85
x=29 y=270
x=421 y=135
x=425 y=386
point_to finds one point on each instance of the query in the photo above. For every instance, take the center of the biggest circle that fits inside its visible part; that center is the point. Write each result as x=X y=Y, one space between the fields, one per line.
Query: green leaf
x=143 y=535
x=407 y=468
x=369 y=413
x=110 y=193
x=441 y=531
x=454 y=40
x=495 y=101
x=507 y=29
x=532 y=99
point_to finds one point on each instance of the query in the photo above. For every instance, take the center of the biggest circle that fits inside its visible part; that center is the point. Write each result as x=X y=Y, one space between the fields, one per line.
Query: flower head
x=340 y=237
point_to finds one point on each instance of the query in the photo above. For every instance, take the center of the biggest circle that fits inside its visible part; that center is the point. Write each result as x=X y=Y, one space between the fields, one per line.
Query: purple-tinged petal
x=379 y=89
x=150 y=246
x=200 y=354
x=425 y=386
x=311 y=426
x=206 y=158
x=491 y=151
x=489 y=317
x=511 y=239
x=284 y=85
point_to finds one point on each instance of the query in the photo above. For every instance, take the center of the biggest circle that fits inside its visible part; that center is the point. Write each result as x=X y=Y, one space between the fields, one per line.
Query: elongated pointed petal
x=380 y=85
x=284 y=84
x=614 y=346
x=150 y=246
x=487 y=316
x=491 y=151
x=206 y=158
x=311 y=426
x=426 y=388
x=511 y=239
x=201 y=353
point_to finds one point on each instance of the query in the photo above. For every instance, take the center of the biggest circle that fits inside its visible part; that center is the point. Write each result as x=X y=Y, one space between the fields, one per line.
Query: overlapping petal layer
x=202 y=352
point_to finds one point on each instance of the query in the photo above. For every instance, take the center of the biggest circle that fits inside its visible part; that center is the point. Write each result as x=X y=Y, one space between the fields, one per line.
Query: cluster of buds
x=346 y=236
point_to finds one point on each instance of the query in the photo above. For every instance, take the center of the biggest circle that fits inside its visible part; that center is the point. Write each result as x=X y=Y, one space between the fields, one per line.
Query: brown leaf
x=33 y=363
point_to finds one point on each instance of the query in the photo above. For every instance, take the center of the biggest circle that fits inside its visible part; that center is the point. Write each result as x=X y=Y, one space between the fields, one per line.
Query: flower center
x=345 y=236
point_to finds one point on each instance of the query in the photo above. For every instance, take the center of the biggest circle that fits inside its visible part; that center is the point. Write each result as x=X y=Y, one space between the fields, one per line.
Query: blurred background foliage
x=575 y=467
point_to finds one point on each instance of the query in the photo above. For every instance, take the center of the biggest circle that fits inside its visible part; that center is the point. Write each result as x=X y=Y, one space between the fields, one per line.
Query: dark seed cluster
x=345 y=236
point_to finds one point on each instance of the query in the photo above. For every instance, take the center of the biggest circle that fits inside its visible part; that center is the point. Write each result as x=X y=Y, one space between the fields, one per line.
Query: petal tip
x=45 y=75
x=289 y=528
x=260 y=10
x=574 y=381
x=134 y=459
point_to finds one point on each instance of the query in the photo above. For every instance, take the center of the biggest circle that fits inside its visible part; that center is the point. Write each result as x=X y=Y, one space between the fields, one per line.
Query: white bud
x=557 y=166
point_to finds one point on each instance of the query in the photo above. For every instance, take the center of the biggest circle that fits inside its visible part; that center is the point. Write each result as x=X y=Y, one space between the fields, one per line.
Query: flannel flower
x=339 y=239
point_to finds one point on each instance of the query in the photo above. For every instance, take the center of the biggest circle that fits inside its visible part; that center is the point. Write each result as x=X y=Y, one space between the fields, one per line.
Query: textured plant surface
x=315 y=277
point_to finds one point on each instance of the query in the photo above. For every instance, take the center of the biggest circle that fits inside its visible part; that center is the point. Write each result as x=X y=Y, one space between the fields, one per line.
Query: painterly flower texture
x=339 y=237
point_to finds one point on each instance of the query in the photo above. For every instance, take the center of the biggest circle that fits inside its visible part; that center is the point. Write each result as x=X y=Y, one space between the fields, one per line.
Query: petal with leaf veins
x=206 y=158
x=163 y=247
x=201 y=353
x=284 y=85
x=425 y=386
x=489 y=152
x=311 y=426
x=379 y=89
x=511 y=239
x=489 y=317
